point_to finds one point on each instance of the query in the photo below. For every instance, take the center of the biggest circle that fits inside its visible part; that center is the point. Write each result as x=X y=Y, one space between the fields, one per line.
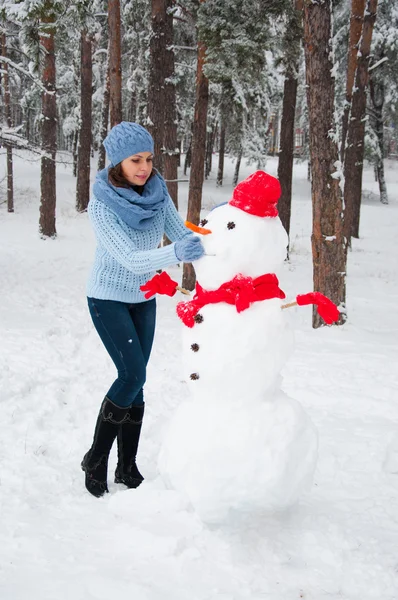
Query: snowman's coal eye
x=231 y=225
x=203 y=222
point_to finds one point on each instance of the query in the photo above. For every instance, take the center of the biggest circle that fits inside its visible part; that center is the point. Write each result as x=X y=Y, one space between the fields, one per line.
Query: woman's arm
x=174 y=225
x=118 y=244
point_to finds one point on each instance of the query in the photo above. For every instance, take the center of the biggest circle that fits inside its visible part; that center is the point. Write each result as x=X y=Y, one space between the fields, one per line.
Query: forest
x=303 y=80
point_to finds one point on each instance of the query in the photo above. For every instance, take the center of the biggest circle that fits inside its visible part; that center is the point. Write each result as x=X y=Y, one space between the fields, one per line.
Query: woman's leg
x=143 y=316
x=128 y=341
x=129 y=347
x=95 y=462
x=144 y=319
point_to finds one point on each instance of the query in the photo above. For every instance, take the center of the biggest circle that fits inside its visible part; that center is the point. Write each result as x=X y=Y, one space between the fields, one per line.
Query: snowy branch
x=379 y=62
x=4 y=59
x=11 y=138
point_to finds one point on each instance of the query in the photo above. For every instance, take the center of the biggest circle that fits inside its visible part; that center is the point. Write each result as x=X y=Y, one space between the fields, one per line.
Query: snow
x=234 y=460
x=338 y=542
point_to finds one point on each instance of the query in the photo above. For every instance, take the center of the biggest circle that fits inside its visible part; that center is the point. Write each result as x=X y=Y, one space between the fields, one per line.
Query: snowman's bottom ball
x=246 y=459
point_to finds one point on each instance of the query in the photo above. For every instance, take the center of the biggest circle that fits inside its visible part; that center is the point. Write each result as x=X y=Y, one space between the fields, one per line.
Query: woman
x=130 y=211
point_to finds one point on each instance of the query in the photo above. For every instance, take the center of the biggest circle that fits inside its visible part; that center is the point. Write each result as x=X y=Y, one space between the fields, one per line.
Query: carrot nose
x=197 y=229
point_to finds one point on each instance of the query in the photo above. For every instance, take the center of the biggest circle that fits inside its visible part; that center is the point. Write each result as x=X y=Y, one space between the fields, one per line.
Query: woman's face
x=137 y=168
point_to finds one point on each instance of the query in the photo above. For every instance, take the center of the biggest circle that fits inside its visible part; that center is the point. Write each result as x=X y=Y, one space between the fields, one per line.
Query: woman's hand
x=189 y=249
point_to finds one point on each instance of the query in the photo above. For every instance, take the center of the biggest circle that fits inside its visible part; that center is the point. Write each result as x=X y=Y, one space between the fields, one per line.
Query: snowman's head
x=246 y=235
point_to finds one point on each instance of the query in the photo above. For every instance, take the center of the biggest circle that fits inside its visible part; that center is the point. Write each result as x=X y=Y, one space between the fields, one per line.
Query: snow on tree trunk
x=85 y=136
x=115 y=64
x=356 y=23
x=48 y=125
x=328 y=249
x=377 y=95
x=171 y=150
x=7 y=110
x=156 y=88
x=354 y=152
x=198 y=155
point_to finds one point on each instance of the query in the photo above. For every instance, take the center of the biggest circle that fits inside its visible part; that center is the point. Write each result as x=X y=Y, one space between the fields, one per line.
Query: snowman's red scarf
x=240 y=291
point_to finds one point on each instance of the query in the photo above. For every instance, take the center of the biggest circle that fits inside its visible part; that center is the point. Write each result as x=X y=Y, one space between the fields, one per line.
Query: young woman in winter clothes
x=130 y=210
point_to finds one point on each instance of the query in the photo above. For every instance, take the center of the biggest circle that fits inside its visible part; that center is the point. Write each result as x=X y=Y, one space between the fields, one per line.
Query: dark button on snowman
x=239 y=444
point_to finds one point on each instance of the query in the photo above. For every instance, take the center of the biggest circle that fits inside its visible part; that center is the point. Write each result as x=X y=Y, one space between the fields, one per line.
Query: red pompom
x=257 y=195
x=325 y=307
x=159 y=284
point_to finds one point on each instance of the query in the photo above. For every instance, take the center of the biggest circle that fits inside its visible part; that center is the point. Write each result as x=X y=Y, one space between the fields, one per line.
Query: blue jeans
x=127 y=331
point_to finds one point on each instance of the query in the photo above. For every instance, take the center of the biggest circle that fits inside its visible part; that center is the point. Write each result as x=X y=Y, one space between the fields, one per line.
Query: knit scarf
x=240 y=291
x=137 y=211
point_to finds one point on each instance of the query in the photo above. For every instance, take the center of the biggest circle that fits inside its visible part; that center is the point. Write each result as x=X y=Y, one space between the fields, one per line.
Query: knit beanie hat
x=126 y=139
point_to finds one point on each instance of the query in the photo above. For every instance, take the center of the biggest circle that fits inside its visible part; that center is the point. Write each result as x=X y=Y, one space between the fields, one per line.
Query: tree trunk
x=171 y=150
x=104 y=118
x=221 y=151
x=237 y=167
x=211 y=135
x=156 y=91
x=198 y=155
x=85 y=136
x=328 y=249
x=356 y=23
x=275 y=134
x=75 y=144
x=377 y=95
x=7 y=110
x=188 y=158
x=115 y=62
x=133 y=106
x=48 y=126
x=285 y=162
x=353 y=160
x=10 y=181
x=294 y=36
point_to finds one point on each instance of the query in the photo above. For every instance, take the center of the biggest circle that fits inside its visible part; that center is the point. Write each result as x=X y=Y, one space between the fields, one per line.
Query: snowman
x=239 y=444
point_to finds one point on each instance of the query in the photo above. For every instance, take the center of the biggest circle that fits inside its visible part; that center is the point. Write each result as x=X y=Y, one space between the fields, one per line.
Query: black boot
x=128 y=437
x=95 y=462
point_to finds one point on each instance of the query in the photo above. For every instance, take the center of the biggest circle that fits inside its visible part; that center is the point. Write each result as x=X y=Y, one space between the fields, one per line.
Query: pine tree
x=328 y=248
x=88 y=29
x=356 y=24
x=170 y=142
x=383 y=88
x=354 y=152
x=198 y=153
x=115 y=62
x=85 y=133
x=292 y=49
x=8 y=120
x=239 y=36
x=47 y=14
x=156 y=91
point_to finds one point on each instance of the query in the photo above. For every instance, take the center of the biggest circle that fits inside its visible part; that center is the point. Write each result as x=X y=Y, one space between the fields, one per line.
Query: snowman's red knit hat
x=258 y=195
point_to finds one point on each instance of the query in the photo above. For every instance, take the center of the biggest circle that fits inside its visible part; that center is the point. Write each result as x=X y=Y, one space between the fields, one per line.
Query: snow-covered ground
x=56 y=541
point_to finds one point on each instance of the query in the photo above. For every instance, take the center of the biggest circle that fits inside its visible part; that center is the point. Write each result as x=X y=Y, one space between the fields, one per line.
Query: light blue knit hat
x=126 y=139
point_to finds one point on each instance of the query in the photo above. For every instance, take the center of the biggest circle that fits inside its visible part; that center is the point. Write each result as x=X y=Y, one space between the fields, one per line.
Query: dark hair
x=117 y=178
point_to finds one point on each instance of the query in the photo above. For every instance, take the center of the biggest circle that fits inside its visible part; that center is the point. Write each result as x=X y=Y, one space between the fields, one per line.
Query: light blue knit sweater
x=126 y=258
